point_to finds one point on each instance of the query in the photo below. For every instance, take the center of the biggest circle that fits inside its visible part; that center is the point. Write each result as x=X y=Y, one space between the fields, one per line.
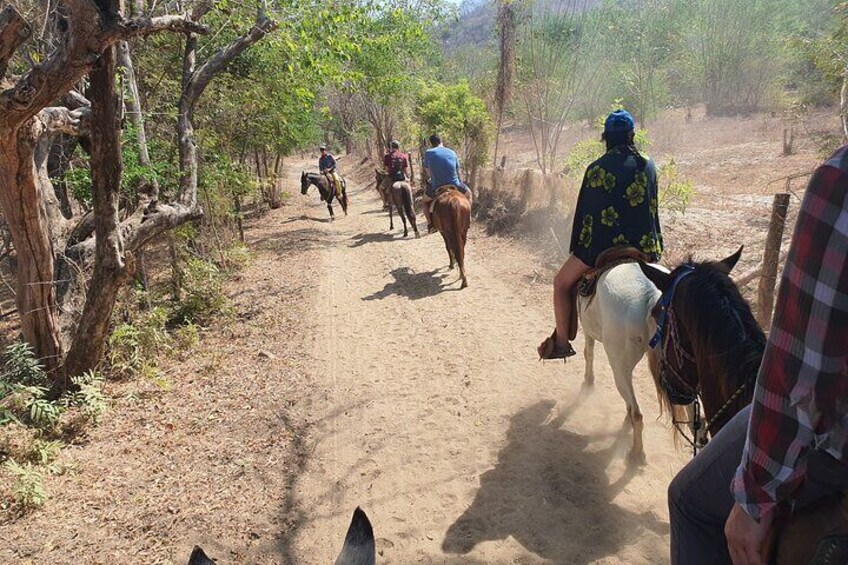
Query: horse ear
x=730 y=262
x=660 y=278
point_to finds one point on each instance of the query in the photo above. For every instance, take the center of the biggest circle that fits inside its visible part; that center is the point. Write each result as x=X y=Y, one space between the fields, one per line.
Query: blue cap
x=619 y=121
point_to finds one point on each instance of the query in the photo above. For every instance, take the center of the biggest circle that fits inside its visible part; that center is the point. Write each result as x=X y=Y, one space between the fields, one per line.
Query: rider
x=396 y=166
x=327 y=166
x=617 y=205
x=792 y=440
x=442 y=166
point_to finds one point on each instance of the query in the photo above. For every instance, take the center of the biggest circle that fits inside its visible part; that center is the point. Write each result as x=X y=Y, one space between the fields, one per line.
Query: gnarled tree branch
x=13 y=32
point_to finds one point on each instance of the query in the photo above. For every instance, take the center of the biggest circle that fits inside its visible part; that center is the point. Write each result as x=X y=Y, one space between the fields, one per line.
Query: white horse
x=619 y=316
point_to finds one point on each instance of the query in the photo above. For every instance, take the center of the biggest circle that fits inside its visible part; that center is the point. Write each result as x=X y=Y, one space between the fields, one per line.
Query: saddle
x=606 y=261
x=445 y=188
x=588 y=283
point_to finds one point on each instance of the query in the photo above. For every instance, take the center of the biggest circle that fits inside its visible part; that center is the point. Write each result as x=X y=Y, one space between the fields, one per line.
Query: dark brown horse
x=711 y=348
x=712 y=344
x=327 y=192
x=397 y=195
x=452 y=217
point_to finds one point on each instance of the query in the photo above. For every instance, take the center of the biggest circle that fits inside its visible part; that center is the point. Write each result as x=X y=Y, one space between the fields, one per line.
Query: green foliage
x=460 y=117
x=28 y=485
x=87 y=395
x=134 y=344
x=675 y=191
x=203 y=295
x=44 y=451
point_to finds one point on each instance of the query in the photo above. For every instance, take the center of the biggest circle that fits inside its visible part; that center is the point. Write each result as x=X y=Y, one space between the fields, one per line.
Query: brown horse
x=398 y=195
x=452 y=217
x=711 y=349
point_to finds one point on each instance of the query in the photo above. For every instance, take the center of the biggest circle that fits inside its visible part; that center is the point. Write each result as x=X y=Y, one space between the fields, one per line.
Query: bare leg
x=566 y=278
x=425 y=207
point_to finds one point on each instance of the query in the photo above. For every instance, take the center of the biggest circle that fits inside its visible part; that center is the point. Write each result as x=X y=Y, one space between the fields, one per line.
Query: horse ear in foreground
x=358 y=548
x=452 y=217
x=199 y=558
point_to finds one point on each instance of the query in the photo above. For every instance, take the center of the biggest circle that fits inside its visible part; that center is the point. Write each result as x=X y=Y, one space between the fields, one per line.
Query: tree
x=45 y=240
x=460 y=118
x=556 y=66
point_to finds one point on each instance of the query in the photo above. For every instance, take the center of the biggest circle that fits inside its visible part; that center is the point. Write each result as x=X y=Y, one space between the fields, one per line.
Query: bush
x=203 y=293
x=675 y=192
x=27 y=486
x=135 y=343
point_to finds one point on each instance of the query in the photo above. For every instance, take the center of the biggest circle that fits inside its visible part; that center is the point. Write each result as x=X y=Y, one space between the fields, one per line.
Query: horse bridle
x=679 y=391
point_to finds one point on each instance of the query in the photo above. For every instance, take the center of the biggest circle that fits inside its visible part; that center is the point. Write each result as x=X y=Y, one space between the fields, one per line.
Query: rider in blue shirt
x=327 y=166
x=442 y=166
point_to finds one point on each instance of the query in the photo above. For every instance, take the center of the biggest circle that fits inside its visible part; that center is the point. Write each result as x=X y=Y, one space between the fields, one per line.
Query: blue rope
x=665 y=304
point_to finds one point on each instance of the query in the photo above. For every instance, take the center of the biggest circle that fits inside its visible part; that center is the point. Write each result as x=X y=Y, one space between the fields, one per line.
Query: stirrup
x=550 y=350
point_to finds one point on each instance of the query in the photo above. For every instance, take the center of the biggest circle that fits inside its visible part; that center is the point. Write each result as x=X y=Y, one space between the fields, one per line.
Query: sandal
x=550 y=350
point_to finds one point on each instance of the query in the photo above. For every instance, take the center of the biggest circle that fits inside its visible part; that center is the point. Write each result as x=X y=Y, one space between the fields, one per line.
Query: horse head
x=304 y=182
x=710 y=344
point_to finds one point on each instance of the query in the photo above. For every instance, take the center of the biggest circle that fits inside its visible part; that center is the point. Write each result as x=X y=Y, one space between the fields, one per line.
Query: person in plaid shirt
x=792 y=440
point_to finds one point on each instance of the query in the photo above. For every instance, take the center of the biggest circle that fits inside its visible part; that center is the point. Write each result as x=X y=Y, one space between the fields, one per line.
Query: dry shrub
x=498 y=210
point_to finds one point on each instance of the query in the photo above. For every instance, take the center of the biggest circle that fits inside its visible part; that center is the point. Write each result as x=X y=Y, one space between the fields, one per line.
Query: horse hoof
x=636 y=458
x=463 y=285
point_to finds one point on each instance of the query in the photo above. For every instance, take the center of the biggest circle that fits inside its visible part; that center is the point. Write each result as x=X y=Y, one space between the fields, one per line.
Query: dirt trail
x=435 y=417
x=354 y=372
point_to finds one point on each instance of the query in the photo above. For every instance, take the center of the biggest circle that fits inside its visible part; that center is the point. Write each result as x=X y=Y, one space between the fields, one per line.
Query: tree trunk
x=133 y=103
x=28 y=224
x=110 y=269
x=770 y=258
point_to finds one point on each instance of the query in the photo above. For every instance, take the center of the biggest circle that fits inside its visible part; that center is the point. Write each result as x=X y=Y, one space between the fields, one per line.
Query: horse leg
x=391 y=218
x=397 y=198
x=589 y=356
x=623 y=361
x=446 y=237
x=344 y=196
x=459 y=251
x=408 y=208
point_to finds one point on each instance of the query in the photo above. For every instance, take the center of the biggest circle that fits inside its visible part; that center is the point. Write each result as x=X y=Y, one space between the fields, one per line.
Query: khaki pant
x=335 y=181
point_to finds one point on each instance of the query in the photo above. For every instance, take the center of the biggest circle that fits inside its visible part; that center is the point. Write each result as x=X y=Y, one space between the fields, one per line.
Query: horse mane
x=721 y=329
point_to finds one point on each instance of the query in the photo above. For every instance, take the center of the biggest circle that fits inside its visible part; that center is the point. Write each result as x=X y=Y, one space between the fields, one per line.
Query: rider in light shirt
x=442 y=166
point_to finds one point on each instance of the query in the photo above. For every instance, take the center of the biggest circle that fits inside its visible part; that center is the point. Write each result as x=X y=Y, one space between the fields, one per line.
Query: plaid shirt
x=801 y=397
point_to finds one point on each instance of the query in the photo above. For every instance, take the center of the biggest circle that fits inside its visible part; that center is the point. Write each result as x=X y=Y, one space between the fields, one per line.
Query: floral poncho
x=617 y=206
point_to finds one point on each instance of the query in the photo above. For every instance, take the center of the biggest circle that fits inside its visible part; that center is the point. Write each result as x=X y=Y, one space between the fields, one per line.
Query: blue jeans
x=699 y=497
x=430 y=191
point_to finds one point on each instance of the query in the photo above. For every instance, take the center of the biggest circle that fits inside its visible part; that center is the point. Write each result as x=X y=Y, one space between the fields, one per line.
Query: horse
x=325 y=189
x=400 y=196
x=358 y=549
x=619 y=316
x=712 y=348
x=452 y=217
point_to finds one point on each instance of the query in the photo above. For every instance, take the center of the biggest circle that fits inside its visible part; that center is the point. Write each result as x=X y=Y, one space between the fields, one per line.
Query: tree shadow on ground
x=552 y=495
x=287 y=242
x=305 y=218
x=361 y=239
x=414 y=286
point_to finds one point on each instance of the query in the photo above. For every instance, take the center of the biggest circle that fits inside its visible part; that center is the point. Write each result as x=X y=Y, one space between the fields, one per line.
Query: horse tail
x=406 y=193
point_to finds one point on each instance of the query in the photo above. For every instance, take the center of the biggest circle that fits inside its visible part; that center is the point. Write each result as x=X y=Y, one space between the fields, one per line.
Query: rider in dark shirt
x=327 y=166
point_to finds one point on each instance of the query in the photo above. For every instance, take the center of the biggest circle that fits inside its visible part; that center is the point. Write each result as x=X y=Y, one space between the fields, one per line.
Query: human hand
x=747 y=538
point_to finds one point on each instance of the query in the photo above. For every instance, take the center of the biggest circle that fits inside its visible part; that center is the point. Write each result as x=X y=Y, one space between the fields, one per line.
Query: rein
x=680 y=392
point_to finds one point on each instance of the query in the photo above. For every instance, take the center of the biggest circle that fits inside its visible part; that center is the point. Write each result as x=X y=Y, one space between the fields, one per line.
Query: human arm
x=802 y=378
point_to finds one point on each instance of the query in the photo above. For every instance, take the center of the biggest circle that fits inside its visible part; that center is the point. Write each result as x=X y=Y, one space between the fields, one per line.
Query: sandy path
x=433 y=415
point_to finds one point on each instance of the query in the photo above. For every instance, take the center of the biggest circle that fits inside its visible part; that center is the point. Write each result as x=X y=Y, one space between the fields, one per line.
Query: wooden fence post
x=771 y=257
